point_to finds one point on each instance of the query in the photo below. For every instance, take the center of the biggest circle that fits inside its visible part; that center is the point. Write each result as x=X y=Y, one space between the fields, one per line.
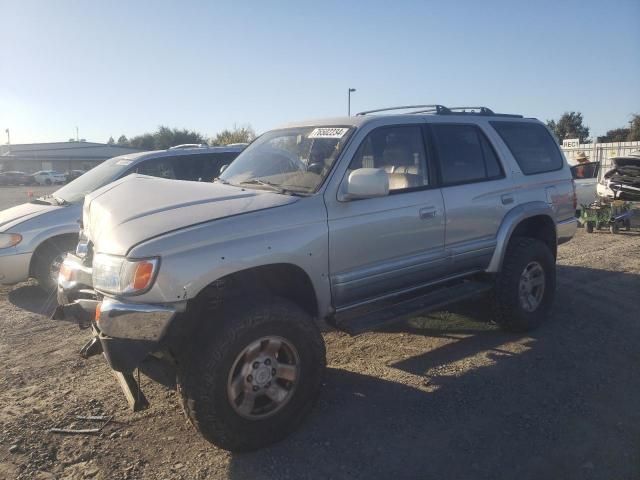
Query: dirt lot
x=444 y=396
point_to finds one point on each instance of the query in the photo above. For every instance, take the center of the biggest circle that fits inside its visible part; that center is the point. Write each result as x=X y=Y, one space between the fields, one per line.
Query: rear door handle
x=427 y=213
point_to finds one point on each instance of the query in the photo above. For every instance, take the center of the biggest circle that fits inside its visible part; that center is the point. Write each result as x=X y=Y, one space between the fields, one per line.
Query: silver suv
x=356 y=221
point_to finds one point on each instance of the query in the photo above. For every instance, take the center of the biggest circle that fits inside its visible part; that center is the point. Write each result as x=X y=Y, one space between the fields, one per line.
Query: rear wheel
x=49 y=258
x=525 y=287
x=627 y=224
x=255 y=374
x=589 y=227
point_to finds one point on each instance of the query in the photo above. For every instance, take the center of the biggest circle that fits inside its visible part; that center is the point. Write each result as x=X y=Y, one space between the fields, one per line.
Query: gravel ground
x=442 y=396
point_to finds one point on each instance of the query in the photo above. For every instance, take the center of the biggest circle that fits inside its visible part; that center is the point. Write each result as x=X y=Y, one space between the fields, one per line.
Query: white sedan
x=49 y=177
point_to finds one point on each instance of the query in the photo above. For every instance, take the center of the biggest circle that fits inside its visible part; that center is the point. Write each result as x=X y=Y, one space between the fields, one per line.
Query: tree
x=615 y=135
x=634 y=128
x=111 y=141
x=122 y=140
x=166 y=137
x=570 y=125
x=236 y=135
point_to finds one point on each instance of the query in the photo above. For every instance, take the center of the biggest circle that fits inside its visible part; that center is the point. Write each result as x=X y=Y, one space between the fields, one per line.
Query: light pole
x=349 y=101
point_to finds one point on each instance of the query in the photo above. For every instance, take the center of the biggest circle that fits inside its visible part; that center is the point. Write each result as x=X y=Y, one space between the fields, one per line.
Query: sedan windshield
x=294 y=160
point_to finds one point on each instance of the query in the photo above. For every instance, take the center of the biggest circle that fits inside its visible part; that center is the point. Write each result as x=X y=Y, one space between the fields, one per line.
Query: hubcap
x=263 y=377
x=531 y=286
x=54 y=268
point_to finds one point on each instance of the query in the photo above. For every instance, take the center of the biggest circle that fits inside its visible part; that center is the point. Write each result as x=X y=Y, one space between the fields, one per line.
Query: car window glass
x=491 y=161
x=201 y=167
x=585 y=170
x=460 y=153
x=157 y=167
x=532 y=146
x=399 y=150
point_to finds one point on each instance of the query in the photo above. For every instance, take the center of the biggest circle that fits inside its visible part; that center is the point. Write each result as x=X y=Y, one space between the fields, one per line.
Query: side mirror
x=366 y=183
x=223 y=168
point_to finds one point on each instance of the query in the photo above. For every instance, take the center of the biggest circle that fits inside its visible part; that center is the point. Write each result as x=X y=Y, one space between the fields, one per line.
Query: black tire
x=614 y=227
x=508 y=310
x=47 y=181
x=589 y=227
x=44 y=259
x=627 y=225
x=204 y=373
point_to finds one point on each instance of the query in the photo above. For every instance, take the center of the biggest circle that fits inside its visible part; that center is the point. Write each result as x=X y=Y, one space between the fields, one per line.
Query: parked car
x=35 y=236
x=359 y=221
x=49 y=177
x=15 y=178
x=73 y=174
x=585 y=176
x=620 y=179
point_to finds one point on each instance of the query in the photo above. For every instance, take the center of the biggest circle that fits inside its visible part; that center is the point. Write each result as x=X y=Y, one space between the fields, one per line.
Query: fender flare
x=511 y=220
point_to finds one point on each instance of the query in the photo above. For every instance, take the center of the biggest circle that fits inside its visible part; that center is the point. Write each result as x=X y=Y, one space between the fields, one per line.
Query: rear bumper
x=14 y=267
x=566 y=230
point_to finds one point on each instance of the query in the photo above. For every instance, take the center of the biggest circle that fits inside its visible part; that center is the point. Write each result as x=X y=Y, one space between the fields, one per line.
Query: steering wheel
x=293 y=160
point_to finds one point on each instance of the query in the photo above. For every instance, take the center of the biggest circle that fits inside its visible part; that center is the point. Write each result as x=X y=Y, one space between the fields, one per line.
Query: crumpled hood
x=122 y=214
x=13 y=216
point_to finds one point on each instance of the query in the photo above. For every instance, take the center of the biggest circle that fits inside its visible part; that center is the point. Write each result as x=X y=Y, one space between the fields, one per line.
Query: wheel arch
x=285 y=280
x=62 y=237
x=534 y=220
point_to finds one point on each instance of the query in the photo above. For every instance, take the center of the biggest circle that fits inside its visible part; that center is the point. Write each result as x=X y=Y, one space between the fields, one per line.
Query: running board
x=359 y=320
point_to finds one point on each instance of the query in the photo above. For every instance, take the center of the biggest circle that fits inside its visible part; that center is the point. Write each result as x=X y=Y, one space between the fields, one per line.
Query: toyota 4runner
x=356 y=221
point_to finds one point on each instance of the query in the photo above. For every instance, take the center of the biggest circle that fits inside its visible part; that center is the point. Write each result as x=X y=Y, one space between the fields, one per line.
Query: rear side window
x=464 y=154
x=532 y=145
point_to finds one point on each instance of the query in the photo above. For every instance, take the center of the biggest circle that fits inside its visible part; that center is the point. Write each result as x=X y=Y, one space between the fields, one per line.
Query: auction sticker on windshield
x=328 y=132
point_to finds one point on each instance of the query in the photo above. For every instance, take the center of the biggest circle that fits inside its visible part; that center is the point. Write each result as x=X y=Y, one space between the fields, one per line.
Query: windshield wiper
x=272 y=186
x=60 y=201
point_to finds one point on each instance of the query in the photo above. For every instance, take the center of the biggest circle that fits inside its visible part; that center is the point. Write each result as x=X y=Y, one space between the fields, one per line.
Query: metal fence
x=600 y=152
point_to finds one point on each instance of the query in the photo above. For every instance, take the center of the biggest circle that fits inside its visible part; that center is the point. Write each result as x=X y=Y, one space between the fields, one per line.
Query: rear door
x=392 y=243
x=476 y=192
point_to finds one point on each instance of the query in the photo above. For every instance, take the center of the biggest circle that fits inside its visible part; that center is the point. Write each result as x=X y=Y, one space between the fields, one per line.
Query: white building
x=59 y=156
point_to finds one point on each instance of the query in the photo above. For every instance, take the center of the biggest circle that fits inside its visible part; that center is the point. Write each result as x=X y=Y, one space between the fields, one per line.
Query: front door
x=391 y=243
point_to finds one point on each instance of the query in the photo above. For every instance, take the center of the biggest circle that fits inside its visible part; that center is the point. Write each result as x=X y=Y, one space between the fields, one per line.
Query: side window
x=157 y=167
x=201 y=167
x=532 y=146
x=397 y=150
x=585 y=170
x=464 y=154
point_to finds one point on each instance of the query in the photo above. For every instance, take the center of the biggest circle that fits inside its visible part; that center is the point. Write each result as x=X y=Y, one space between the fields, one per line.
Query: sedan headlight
x=9 y=239
x=121 y=276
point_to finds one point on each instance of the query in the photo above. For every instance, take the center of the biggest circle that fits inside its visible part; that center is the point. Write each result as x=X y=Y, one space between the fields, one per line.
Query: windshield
x=95 y=178
x=295 y=160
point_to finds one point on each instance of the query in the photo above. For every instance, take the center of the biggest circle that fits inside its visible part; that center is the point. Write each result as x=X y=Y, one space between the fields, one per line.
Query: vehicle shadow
x=563 y=404
x=32 y=298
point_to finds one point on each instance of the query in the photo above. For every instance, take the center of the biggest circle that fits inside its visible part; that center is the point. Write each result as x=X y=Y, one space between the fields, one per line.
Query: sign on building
x=571 y=142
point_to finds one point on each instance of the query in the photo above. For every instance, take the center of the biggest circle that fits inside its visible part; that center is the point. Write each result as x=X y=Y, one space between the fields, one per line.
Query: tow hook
x=91 y=348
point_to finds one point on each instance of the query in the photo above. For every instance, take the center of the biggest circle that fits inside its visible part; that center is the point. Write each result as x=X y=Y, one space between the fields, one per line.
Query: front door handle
x=427 y=213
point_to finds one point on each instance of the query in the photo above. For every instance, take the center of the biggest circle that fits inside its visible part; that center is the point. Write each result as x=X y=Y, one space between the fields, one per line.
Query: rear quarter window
x=532 y=146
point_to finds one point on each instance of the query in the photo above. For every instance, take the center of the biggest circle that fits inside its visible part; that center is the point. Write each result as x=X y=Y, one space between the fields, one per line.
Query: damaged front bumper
x=127 y=332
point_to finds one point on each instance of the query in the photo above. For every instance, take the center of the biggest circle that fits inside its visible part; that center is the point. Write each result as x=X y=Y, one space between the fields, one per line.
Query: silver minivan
x=35 y=236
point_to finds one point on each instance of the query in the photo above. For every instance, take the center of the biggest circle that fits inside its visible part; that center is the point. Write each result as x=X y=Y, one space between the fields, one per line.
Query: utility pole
x=349 y=101
x=8 y=138
x=77 y=135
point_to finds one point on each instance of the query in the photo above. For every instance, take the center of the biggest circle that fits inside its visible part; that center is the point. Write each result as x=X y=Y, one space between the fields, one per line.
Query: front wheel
x=525 y=288
x=48 y=259
x=254 y=375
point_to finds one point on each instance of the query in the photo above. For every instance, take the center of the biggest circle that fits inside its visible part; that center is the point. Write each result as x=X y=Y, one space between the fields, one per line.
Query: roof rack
x=435 y=108
x=442 y=110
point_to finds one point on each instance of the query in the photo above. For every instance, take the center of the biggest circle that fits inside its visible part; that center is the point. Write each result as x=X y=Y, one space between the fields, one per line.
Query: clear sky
x=114 y=67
